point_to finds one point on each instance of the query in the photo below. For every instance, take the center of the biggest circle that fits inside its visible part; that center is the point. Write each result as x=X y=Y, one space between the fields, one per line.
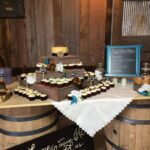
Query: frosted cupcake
x=31 y=97
x=103 y=89
x=43 y=97
x=23 y=76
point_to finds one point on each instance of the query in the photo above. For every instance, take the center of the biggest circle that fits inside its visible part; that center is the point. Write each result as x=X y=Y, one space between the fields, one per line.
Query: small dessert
x=16 y=91
x=98 y=91
x=53 y=84
x=19 y=92
x=79 y=65
x=60 y=84
x=37 y=95
x=38 y=66
x=31 y=97
x=84 y=95
x=112 y=84
x=71 y=66
x=93 y=92
x=107 y=85
x=43 y=97
x=100 y=85
x=23 y=76
x=24 y=93
x=91 y=87
x=89 y=94
x=69 y=96
x=86 y=76
x=103 y=89
x=46 y=82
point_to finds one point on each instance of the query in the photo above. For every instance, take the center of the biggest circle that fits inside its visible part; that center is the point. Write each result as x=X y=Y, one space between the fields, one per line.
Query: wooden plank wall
x=81 y=26
x=117 y=39
x=78 y=24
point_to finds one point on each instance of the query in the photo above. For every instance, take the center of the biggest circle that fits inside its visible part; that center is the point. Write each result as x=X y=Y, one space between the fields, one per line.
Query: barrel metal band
x=140 y=106
x=116 y=147
x=133 y=122
x=29 y=133
x=14 y=119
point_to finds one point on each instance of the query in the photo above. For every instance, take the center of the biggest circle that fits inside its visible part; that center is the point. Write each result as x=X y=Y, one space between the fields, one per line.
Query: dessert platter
x=56 y=76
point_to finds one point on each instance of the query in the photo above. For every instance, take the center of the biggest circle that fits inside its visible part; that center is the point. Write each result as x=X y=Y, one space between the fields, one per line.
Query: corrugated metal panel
x=136 y=18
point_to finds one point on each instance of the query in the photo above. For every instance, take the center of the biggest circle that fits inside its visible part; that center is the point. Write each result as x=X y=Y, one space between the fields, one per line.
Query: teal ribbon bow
x=74 y=100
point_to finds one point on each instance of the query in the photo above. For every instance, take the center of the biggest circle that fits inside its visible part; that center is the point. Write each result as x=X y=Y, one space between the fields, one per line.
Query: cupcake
x=43 y=97
x=43 y=81
x=86 y=76
x=37 y=95
x=59 y=84
x=93 y=92
x=79 y=65
x=98 y=91
x=103 y=89
x=89 y=93
x=24 y=93
x=107 y=85
x=16 y=91
x=112 y=84
x=71 y=66
x=20 y=92
x=100 y=85
x=84 y=95
x=91 y=87
x=38 y=66
x=23 y=76
x=53 y=83
x=31 y=97
x=69 y=96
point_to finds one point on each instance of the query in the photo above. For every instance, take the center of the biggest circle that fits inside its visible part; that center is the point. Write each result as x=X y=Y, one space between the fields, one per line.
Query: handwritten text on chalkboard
x=122 y=60
x=69 y=138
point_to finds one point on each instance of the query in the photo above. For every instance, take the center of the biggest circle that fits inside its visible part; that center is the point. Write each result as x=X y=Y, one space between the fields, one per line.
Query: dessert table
x=92 y=114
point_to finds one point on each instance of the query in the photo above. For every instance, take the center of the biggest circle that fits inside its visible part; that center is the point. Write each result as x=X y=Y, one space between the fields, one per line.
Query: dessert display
x=56 y=76
x=29 y=93
x=57 y=82
x=70 y=65
x=94 y=90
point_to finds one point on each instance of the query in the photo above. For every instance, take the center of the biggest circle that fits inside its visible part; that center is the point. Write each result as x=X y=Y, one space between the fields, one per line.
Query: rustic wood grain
x=9 y=141
x=78 y=24
x=130 y=136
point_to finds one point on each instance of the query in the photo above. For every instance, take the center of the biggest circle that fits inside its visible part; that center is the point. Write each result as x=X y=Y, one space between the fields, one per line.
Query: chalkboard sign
x=68 y=138
x=123 y=61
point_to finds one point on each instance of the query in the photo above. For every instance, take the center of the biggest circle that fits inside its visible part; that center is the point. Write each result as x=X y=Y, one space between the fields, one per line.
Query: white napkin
x=94 y=113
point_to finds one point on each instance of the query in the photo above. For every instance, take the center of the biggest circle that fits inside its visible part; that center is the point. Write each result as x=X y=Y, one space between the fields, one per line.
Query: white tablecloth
x=94 y=113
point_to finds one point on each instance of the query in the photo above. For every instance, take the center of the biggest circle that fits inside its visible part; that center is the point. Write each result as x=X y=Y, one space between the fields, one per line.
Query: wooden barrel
x=130 y=130
x=18 y=125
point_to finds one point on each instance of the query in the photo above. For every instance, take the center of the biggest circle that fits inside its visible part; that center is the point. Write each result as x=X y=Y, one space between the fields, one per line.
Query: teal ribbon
x=47 y=61
x=74 y=100
x=145 y=93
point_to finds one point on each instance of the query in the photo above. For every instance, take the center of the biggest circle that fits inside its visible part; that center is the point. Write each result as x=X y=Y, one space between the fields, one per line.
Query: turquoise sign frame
x=109 y=61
